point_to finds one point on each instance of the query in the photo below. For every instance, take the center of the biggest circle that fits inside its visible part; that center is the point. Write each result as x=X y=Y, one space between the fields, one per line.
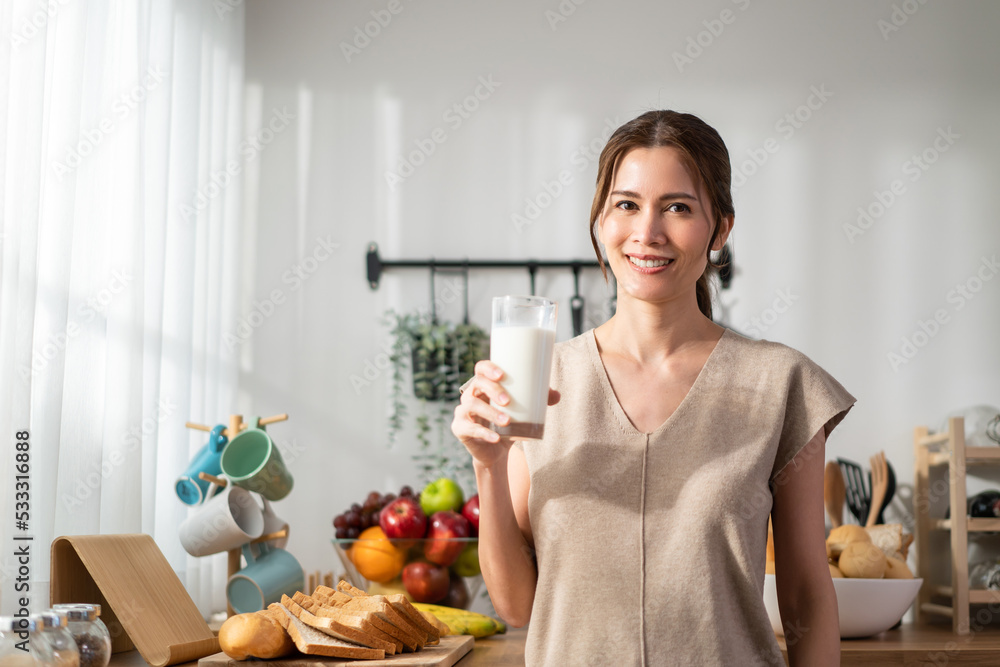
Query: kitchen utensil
x=879 y=480
x=856 y=493
x=890 y=491
x=833 y=493
x=576 y=303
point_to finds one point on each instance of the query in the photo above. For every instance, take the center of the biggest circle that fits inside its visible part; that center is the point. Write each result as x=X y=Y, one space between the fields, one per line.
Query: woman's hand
x=474 y=414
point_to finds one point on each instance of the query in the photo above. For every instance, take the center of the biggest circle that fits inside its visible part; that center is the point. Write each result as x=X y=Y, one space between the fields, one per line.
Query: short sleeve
x=813 y=400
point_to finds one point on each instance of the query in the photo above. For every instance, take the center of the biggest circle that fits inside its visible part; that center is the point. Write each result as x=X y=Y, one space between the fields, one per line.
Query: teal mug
x=273 y=573
x=252 y=460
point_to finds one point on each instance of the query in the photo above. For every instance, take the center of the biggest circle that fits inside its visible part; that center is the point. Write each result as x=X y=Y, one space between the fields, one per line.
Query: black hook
x=465 y=289
x=532 y=270
x=726 y=266
x=434 y=317
x=576 y=303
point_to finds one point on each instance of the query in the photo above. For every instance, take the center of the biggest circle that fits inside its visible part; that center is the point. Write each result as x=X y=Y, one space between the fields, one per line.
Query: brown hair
x=703 y=153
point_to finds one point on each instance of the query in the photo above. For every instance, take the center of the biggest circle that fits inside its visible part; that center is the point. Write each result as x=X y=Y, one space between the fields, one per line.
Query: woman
x=635 y=532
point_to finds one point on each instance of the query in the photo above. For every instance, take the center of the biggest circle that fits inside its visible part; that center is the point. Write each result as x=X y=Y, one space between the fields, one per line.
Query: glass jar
x=92 y=637
x=61 y=643
x=21 y=643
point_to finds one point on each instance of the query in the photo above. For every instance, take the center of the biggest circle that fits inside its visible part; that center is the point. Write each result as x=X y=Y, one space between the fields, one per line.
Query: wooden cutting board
x=447 y=653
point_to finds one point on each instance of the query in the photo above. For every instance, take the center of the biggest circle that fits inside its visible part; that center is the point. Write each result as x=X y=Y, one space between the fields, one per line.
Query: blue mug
x=190 y=488
x=273 y=573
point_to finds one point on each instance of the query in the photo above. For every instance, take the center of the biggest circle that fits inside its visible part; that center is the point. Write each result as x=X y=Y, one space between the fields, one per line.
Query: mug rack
x=236 y=425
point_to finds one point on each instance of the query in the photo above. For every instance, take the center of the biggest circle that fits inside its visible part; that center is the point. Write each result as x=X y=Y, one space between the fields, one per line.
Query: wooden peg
x=276 y=418
x=198 y=427
x=235 y=426
x=212 y=479
x=276 y=535
x=233 y=566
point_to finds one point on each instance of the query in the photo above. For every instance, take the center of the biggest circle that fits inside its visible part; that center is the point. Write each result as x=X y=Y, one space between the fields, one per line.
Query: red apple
x=441 y=545
x=458 y=593
x=471 y=512
x=403 y=519
x=426 y=582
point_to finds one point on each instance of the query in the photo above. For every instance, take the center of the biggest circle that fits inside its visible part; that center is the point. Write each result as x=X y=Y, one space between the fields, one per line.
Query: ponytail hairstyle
x=703 y=153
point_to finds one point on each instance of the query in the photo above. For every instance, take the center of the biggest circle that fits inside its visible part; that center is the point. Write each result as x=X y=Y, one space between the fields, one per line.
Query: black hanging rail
x=376 y=265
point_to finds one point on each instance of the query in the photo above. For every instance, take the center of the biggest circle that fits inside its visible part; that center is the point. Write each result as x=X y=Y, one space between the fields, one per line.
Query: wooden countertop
x=908 y=645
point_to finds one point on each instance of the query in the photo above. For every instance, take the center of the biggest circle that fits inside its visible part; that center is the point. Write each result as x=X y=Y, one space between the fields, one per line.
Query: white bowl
x=867 y=606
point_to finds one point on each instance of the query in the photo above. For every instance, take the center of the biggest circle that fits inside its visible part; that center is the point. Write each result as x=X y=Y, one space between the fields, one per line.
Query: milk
x=524 y=353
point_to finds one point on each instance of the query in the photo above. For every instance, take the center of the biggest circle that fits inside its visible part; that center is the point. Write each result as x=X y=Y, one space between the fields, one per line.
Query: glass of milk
x=521 y=341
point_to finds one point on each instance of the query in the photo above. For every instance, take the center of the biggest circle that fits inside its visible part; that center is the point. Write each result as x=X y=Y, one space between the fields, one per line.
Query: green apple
x=444 y=495
x=467 y=563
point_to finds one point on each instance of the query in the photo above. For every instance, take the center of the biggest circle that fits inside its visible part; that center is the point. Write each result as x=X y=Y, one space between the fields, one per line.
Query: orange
x=375 y=556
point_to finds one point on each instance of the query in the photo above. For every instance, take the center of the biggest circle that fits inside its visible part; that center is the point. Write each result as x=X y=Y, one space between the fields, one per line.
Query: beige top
x=651 y=546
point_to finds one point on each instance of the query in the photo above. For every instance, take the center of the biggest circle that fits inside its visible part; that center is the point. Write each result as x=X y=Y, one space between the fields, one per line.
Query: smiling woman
x=642 y=548
x=696 y=151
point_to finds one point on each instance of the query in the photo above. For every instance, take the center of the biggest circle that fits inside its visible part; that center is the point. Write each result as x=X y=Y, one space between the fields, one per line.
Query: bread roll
x=254 y=635
x=835 y=572
x=897 y=569
x=862 y=560
x=841 y=536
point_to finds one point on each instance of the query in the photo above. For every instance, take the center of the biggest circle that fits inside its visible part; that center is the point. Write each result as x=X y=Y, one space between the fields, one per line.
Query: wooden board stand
x=143 y=603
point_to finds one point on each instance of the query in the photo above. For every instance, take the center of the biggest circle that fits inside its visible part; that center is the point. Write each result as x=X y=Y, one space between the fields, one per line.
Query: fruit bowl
x=381 y=564
x=866 y=606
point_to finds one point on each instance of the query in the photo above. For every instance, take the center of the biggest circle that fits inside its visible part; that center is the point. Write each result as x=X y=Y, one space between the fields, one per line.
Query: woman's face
x=657 y=226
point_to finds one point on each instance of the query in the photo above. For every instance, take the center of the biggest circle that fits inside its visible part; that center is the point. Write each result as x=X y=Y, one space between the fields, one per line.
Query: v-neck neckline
x=623 y=417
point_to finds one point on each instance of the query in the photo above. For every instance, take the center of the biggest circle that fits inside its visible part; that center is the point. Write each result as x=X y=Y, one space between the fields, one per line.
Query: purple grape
x=353 y=518
x=340 y=521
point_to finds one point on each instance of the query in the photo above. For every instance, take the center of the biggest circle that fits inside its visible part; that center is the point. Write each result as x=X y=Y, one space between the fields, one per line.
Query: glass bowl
x=376 y=565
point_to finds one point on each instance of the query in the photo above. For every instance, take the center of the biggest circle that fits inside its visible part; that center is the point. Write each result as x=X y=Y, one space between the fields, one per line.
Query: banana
x=462 y=622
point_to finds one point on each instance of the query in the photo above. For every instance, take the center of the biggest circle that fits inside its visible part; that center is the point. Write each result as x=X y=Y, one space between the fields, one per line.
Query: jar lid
x=52 y=619
x=78 y=613
x=18 y=624
x=96 y=608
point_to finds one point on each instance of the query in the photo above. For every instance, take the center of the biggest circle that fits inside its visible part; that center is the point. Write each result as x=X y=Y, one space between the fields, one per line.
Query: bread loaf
x=862 y=560
x=254 y=635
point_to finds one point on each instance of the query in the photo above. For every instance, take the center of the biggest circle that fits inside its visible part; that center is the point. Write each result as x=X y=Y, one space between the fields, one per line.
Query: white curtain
x=119 y=262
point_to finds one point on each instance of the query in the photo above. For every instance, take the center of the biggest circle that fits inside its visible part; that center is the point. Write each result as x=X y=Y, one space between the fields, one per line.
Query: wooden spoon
x=833 y=493
x=880 y=480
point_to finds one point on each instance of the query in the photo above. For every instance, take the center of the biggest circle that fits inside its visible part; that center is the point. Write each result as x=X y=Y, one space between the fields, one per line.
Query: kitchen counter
x=907 y=645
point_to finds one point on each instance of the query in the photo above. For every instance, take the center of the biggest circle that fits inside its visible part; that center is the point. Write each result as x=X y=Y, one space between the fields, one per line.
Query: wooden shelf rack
x=948 y=449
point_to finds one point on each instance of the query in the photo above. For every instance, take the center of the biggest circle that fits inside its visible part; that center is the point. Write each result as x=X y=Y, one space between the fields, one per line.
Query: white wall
x=854 y=300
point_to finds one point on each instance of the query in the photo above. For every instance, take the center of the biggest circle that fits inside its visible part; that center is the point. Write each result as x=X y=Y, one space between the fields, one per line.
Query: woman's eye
x=626 y=205
x=677 y=207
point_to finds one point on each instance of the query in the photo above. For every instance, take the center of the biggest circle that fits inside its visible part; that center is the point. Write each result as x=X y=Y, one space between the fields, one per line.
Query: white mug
x=225 y=521
x=272 y=524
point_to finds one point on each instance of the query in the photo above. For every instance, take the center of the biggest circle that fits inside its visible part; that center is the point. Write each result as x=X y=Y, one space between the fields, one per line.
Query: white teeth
x=649 y=263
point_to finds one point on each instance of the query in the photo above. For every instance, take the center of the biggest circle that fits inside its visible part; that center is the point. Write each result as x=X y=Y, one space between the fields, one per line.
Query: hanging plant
x=441 y=357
